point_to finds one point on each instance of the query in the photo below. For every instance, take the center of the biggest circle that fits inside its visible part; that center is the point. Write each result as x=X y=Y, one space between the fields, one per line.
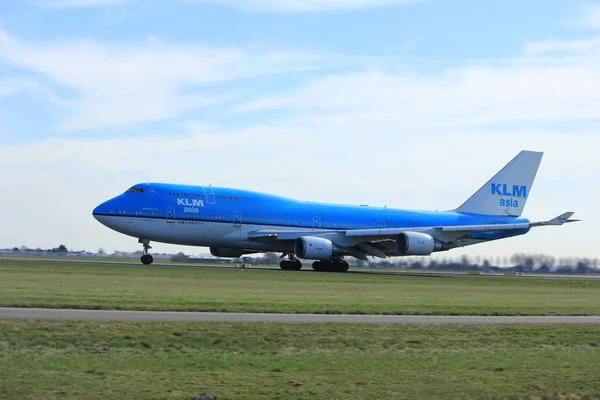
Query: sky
x=397 y=103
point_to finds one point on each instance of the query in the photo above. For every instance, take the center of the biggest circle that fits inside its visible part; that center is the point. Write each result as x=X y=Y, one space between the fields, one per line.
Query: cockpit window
x=135 y=189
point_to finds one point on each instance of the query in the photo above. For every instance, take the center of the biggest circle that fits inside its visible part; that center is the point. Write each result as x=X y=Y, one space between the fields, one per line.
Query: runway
x=306 y=269
x=166 y=316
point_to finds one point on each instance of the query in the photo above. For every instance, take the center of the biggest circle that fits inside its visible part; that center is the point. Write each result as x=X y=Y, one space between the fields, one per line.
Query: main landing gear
x=333 y=265
x=146 y=258
x=293 y=264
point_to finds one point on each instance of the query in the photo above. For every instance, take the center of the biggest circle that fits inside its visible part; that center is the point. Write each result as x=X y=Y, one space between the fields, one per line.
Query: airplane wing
x=361 y=243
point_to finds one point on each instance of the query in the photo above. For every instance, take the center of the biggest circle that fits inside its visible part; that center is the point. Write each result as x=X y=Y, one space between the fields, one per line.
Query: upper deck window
x=135 y=189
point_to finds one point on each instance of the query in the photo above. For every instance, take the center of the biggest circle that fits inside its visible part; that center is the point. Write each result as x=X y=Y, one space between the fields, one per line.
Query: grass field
x=118 y=287
x=102 y=260
x=101 y=360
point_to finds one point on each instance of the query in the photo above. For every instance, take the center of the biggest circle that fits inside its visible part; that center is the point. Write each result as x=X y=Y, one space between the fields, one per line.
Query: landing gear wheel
x=147 y=259
x=295 y=265
x=291 y=265
x=335 y=265
x=341 y=266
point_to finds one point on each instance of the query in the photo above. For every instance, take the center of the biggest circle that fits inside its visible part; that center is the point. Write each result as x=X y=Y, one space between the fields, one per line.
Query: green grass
x=100 y=360
x=8 y=258
x=118 y=287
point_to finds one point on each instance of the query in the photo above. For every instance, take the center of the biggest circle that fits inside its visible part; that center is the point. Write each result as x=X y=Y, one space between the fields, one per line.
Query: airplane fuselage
x=222 y=217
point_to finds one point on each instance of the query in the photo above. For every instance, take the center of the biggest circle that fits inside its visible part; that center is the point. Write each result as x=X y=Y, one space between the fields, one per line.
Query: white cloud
x=80 y=3
x=303 y=6
x=8 y=87
x=514 y=92
x=121 y=85
x=566 y=46
x=412 y=42
x=276 y=6
x=590 y=17
x=125 y=84
x=14 y=85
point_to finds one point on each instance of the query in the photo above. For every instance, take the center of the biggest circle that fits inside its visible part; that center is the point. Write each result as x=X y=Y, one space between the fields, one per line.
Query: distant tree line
x=60 y=249
x=525 y=263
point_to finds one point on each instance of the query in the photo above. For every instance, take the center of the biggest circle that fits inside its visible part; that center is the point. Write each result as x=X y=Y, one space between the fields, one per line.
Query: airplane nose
x=96 y=212
x=101 y=210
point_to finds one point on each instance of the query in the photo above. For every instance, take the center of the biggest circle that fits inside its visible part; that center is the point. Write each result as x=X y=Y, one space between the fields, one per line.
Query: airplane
x=234 y=222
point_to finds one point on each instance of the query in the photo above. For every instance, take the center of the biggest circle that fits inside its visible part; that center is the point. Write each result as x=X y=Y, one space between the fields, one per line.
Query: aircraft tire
x=342 y=266
x=338 y=266
x=330 y=266
x=295 y=265
x=286 y=265
x=147 y=259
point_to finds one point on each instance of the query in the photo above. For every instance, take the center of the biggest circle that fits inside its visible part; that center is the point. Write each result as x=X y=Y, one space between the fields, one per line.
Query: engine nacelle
x=416 y=244
x=314 y=248
x=228 y=252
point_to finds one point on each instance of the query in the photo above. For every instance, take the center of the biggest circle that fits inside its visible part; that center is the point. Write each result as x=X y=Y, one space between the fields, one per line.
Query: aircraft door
x=316 y=223
x=170 y=215
x=381 y=224
x=237 y=218
x=210 y=195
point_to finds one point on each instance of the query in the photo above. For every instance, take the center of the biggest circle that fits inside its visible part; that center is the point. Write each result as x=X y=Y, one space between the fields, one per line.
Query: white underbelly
x=184 y=232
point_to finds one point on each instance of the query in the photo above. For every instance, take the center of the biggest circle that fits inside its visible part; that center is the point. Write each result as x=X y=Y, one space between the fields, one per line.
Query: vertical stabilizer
x=506 y=193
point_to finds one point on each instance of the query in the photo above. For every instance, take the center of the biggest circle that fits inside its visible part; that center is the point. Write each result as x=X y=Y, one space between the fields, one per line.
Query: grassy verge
x=99 y=360
x=105 y=260
x=118 y=287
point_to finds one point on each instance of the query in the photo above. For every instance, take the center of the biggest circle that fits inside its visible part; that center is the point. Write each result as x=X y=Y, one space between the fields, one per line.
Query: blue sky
x=430 y=29
x=423 y=37
x=407 y=103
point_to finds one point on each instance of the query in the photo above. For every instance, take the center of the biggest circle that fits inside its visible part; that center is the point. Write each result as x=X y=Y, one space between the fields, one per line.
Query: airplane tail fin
x=506 y=193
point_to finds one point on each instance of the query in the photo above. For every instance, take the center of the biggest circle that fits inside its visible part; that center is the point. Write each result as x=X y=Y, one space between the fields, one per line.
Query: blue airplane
x=235 y=222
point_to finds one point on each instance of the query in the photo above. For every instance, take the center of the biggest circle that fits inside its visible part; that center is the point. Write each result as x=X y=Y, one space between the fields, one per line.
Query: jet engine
x=315 y=248
x=416 y=244
x=228 y=252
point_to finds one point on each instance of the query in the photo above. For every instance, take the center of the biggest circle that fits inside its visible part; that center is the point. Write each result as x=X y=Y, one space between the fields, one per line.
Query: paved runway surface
x=306 y=269
x=110 y=315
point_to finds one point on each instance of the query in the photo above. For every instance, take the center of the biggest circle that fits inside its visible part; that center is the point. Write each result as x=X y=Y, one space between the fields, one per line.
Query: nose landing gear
x=146 y=258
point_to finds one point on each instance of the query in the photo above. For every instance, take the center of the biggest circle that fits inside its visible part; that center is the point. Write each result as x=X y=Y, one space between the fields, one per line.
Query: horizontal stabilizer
x=561 y=219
